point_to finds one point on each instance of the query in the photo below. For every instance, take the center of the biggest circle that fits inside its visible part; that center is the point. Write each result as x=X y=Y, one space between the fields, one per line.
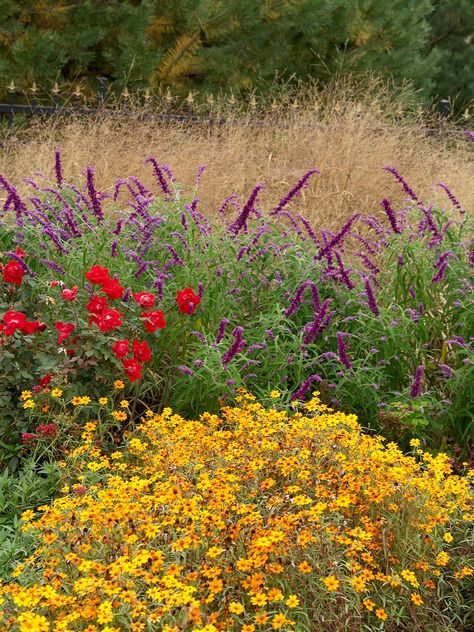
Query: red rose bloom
x=13 y=273
x=69 y=295
x=141 y=351
x=54 y=283
x=65 y=330
x=45 y=380
x=145 y=299
x=97 y=275
x=30 y=327
x=21 y=253
x=112 y=288
x=154 y=320
x=120 y=349
x=187 y=301
x=133 y=369
x=107 y=320
x=97 y=304
x=13 y=321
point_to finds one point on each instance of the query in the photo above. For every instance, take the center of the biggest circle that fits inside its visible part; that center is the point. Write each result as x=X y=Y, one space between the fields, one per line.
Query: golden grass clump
x=346 y=132
x=254 y=520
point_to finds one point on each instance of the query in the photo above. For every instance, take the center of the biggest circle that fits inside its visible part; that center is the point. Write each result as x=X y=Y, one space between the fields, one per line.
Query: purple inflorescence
x=94 y=197
x=241 y=221
x=159 y=176
x=298 y=297
x=235 y=347
x=302 y=182
x=338 y=238
x=341 y=347
x=415 y=390
x=371 y=297
x=385 y=204
x=409 y=191
x=58 y=167
x=304 y=387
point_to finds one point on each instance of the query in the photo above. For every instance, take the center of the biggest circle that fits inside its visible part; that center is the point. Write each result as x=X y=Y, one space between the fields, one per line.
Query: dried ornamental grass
x=254 y=520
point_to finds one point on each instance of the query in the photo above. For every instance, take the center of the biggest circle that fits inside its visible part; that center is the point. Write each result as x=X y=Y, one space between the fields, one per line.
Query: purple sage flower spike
x=302 y=182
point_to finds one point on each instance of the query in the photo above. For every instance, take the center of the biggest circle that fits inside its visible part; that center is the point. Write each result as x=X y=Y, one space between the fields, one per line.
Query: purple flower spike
x=469 y=134
x=94 y=197
x=186 y=370
x=385 y=204
x=341 y=347
x=337 y=238
x=235 y=347
x=452 y=199
x=301 y=392
x=294 y=191
x=159 y=176
x=403 y=182
x=241 y=220
x=222 y=325
x=299 y=296
x=58 y=167
x=415 y=390
x=371 y=298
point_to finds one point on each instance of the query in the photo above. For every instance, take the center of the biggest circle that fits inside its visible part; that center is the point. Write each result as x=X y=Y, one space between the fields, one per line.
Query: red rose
x=141 y=351
x=154 y=320
x=45 y=380
x=21 y=253
x=54 y=283
x=187 y=301
x=107 y=320
x=97 y=275
x=112 y=288
x=97 y=304
x=13 y=273
x=145 y=299
x=65 y=330
x=133 y=369
x=13 y=321
x=120 y=349
x=69 y=295
x=29 y=327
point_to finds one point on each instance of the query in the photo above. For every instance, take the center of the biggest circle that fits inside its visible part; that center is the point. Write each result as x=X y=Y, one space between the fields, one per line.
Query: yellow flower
x=25 y=395
x=358 y=583
x=415 y=443
x=76 y=401
x=248 y=628
x=417 y=600
x=124 y=403
x=369 y=604
x=27 y=515
x=442 y=558
x=305 y=567
x=331 y=583
x=29 y=404
x=56 y=392
x=279 y=620
x=447 y=537
x=120 y=415
x=85 y=400
x=30 y=622
x=260 y=599
x=235 y=607
x=275 y=394
x=118 y=384
x=292 y=601
x=381 y=614
x=214 y=551
x=103 y=401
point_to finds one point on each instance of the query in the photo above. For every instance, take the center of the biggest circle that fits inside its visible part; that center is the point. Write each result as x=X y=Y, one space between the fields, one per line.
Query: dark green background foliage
x=212 y=44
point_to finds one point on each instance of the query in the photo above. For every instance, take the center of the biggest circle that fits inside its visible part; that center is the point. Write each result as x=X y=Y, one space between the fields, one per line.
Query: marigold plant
x=254 y=519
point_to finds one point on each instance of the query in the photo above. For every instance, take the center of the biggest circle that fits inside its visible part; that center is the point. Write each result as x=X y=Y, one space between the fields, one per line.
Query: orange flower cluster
x=254 y=520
